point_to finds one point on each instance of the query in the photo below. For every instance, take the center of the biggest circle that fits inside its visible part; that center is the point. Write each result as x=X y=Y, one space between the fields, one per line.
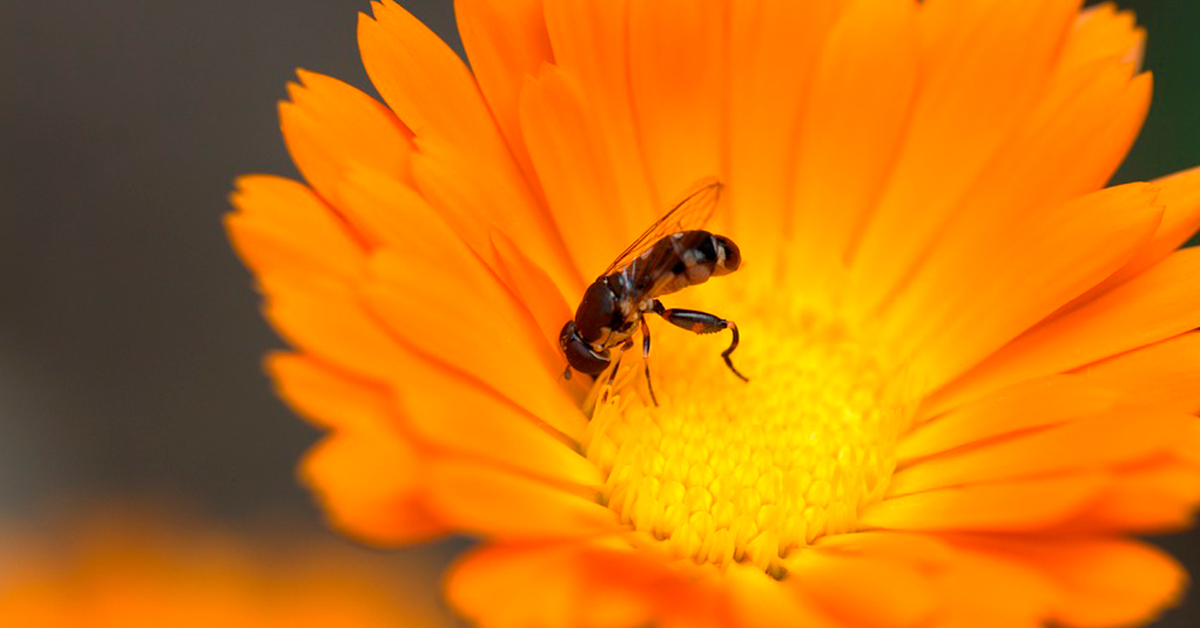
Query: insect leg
x=702 y=323
x=646 y=358
x=612 y=375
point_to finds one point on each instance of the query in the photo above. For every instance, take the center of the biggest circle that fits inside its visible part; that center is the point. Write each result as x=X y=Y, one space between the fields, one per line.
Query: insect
x=670 y=256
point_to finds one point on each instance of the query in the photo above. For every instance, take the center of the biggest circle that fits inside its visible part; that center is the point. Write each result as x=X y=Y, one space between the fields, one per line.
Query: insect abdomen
x=689 y=258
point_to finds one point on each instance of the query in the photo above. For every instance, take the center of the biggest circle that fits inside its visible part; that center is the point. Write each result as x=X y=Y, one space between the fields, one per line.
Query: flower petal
x=549 y=584
x=484 y=202
x=950 y=322
x=591 y=44
x=1157 y=304
x=900 y=594
x=487 y=500
x=576 y=171
x=677 y=59
x=1105 y=440
x=491 y=586
x=367 y=483
x=855 y=116
x=533 y=288
x=1111 y=582
x=334 y=328
x=969 y=585
x=282 y=228
x=331 y=399
x=1153 y=497
x=425 y=82
x=1006 y=506
x=506 y=41
x=1100 y=32
x=1179 y=196
x=970 y=101
x=1100 y=583
x=434 y=94
x=759 y=600
x=1040 y=402
x=331 y=127
x=498 y=346
x=1164 y=374
x=774 y=46
x=482 y=426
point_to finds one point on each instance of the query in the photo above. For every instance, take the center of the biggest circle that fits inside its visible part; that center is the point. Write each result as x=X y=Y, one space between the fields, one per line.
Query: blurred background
x=130 y=339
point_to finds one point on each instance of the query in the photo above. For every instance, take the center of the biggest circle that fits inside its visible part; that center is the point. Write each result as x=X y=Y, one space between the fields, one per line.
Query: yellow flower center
x=725 y=470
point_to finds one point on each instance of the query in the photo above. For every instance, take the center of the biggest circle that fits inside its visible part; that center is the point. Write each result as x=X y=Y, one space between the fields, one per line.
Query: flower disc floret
x=727 y=471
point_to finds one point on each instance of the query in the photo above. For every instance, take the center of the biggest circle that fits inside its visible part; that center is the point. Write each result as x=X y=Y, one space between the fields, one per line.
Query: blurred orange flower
x=121 y=569
x=971 y=372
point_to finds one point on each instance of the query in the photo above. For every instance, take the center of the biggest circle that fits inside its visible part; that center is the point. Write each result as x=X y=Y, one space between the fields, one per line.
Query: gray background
x=130 y=337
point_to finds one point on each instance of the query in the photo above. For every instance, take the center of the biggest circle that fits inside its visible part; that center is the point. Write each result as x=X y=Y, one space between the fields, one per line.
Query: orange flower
x=971 y=372
x=124 y=569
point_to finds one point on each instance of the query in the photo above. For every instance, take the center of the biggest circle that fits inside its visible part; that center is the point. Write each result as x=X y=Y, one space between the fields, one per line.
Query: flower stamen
x=727 y=471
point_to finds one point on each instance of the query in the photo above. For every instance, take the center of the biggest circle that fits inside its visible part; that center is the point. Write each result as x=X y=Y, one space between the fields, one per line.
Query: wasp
x=672 y=254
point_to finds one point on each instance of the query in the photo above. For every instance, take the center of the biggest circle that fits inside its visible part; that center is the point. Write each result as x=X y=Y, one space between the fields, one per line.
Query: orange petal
x=926 y=550
x=1038 y=266
x=759 y=600
x=856 y=115
x=1121 y=435
x=336 y=329
x=406 y=223
x=576 y=171
x=508 y=587
x=506 y=41
x=432 y=249
x=1100 y=583
x=282 y=227
x=774 y=46
x=1112 y=582
x=488 y=338
x=837 y=583
x=1008 y=506
x=677 y=70
x=1153 y=497
x=1165 y=374
x=1187 y=448
x=1157 y=304
x=483 y=426
x=1069 y=144
x=434 y=94
x=969 y=585
x=591 y=45
x=1035 y=403
x=517 y=586
x=331 y=399
x=957 y=124
x=367 y=484
x=425 y=82
x=329 y=125
x=1104 y=32
x=487 y=500
x=484 y=202
x=534 y=288
x=1179 y=196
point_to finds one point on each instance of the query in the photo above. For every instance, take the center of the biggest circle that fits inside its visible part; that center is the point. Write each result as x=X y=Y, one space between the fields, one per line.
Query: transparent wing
x=690 y=213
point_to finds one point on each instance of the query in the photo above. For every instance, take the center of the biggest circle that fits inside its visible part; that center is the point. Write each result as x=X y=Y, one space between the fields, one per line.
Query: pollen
x=724 y=470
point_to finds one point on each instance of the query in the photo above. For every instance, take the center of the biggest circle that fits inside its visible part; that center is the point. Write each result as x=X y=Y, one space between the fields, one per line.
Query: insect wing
x=688 y=214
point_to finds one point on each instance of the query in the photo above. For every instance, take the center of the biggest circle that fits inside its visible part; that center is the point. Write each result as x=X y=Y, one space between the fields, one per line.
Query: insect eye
x=580 y=355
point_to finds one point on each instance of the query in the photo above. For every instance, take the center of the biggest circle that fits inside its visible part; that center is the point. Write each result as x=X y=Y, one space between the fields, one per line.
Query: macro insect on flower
x=669 y=256
x=972 y=371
